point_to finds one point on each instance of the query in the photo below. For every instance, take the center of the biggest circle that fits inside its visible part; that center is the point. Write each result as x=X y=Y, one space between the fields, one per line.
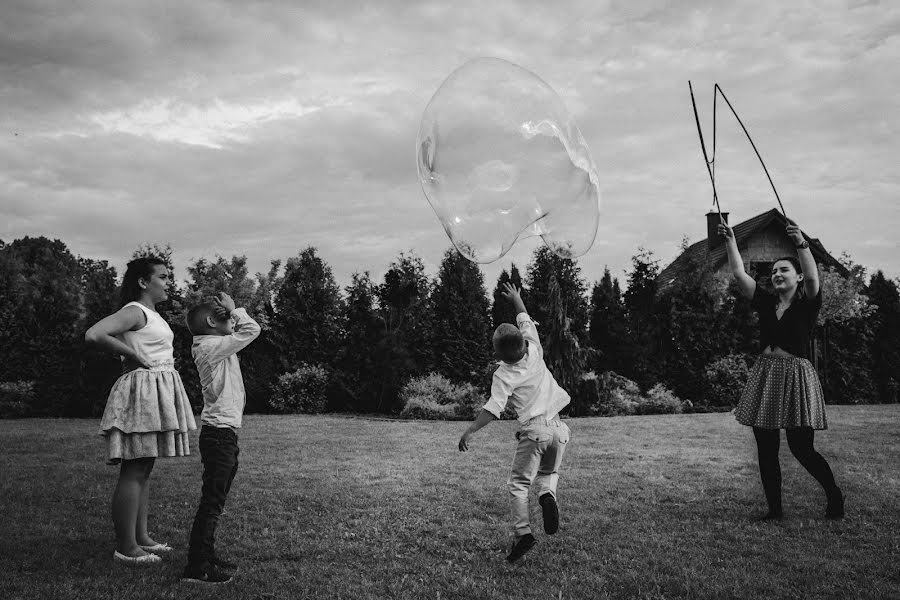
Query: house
x=761 y=240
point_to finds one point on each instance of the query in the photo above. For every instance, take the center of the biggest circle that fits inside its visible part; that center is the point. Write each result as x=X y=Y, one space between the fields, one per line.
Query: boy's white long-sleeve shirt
x=527 y=385
x=220 y=372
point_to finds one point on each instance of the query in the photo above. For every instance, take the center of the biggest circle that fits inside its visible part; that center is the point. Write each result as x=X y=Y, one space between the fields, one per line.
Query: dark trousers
x=800 y=441
x=219 y=453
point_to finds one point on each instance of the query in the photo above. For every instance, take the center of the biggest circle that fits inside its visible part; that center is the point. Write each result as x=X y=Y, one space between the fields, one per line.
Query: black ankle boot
x=772 y=515
x=835 y=508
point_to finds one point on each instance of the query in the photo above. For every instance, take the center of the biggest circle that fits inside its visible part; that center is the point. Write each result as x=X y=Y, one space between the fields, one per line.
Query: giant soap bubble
x=500 y=158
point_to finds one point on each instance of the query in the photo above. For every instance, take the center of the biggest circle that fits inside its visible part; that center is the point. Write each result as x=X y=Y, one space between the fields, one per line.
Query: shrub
x=16 y=398
x=301 y=391
x=608 y=394
x=423 y=408
x=420 y=395
x=433 y=386
x=723 y=380
x=659 y=401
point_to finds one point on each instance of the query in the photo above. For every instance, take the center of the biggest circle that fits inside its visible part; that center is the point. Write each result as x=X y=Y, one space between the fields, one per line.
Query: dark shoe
x=835 y=508
x=522 y=545
x=205 y=574
x=551 y=513
x=223 y=564
x=772 y=515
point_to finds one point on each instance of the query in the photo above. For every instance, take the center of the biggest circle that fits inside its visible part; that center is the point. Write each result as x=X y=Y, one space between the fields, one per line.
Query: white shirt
x=220 y=372
x=527 y=384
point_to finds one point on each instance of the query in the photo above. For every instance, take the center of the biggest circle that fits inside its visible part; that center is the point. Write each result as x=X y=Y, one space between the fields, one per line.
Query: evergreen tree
x=307 y=326
x=607 y=329
x=461 y=320
x=885 y=349
x=639 y=299
x=405 y=346
x=501 y=310
x=363 y=332
x=691 y=328
x=572 y=289
x=563 y=353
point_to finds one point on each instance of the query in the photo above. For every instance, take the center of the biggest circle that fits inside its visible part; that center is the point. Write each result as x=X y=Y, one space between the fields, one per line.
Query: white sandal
x=162 y=548
x=147 y=559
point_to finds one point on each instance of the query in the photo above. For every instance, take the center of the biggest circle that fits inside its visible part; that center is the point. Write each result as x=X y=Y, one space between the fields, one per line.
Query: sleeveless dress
x=148 y=413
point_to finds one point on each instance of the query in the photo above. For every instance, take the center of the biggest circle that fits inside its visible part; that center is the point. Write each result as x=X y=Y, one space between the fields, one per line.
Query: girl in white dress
x=148 y=413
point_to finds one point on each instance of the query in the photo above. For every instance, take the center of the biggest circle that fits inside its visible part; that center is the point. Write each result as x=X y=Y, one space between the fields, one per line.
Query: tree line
x=374 y=335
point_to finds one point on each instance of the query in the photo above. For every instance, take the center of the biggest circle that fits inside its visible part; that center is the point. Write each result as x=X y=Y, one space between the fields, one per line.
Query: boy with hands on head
x=220 y=330
x=523 y=380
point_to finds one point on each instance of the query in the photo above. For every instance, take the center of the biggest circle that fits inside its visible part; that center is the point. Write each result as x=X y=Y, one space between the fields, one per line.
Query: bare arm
x=807 y=261
x=746 y=284
x=484 y=417
x=102 y=334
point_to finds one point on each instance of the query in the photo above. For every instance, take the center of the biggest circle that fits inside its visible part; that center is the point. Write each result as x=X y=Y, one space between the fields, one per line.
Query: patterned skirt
x=148 y=414
x=782 y=392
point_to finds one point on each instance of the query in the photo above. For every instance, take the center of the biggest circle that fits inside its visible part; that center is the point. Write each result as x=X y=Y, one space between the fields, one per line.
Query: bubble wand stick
x=707 y=162
x=750 y=139
x=710 y=164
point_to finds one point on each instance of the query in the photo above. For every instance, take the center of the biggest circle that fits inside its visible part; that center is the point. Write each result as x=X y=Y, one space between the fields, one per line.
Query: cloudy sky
x=260 y=128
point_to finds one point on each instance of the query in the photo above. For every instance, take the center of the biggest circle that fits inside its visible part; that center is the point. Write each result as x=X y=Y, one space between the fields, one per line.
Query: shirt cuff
x=522 y=316
x=492 y=408
x=240 y=314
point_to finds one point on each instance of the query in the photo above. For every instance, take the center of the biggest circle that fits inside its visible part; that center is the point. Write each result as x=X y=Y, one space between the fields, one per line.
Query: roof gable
x=699 y=252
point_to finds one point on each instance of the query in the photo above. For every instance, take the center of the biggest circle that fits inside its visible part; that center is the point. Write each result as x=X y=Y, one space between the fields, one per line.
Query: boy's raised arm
x=511 y=293
x=245 y=331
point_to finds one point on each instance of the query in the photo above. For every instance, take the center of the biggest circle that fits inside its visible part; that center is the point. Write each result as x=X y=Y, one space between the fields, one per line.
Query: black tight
x=800 y=441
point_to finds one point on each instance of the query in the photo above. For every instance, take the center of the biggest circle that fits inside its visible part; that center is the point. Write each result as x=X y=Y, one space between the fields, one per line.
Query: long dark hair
x=139 y=268
x=800 y=293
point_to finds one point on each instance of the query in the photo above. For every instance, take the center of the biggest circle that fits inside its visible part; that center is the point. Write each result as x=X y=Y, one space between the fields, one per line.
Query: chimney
x=713 y=239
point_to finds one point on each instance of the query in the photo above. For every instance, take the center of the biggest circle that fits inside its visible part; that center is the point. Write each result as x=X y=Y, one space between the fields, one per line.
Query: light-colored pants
x=542 y=443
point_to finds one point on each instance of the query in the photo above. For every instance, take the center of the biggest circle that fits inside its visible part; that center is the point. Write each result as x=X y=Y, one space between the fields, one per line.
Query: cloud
x=260 y=128
x=171 y=120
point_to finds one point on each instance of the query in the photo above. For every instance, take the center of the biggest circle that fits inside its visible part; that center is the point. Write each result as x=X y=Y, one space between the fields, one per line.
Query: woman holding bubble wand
x=783 y=389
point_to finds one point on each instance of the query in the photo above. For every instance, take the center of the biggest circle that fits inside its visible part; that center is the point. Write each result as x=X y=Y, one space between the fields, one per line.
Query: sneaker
x=206 y=574
x=522 y=545
x=551 y=513
x=223 y=564
x=136 y=561
x=835 y=508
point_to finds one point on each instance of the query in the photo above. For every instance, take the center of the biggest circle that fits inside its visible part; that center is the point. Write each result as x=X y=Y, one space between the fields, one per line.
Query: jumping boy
x=522 y=378
x=220 y=330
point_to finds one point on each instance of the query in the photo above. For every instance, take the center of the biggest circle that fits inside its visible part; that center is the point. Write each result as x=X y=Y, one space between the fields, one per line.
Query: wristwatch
x=802 y=245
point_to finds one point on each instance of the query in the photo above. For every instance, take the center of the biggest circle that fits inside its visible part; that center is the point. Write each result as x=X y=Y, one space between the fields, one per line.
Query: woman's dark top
x=791 y=332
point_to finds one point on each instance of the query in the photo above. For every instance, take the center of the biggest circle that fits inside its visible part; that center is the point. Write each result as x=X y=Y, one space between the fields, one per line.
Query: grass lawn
x=335 y=507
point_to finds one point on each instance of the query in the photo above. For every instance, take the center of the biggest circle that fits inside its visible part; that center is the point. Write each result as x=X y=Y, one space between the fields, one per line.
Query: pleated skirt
x=782 y=392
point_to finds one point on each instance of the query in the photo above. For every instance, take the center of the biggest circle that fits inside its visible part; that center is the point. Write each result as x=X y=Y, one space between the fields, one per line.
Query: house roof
x=700 y=252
